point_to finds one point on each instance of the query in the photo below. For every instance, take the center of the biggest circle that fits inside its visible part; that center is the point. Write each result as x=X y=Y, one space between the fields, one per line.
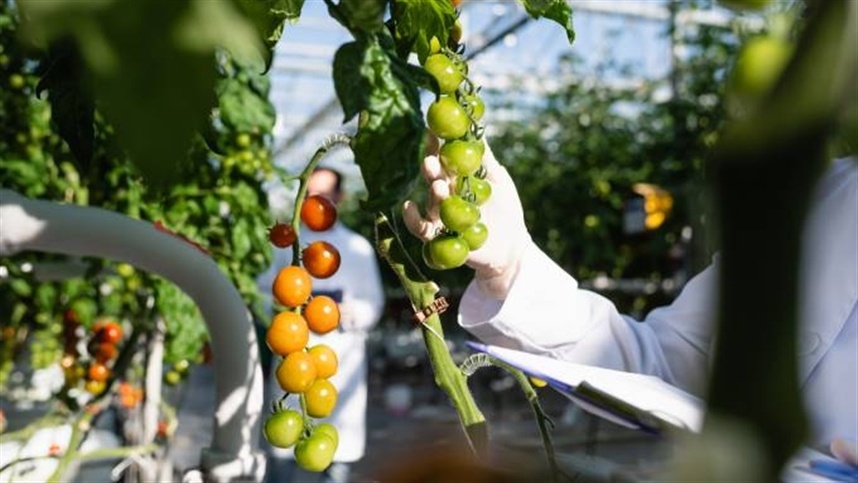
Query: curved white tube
x=27 y=224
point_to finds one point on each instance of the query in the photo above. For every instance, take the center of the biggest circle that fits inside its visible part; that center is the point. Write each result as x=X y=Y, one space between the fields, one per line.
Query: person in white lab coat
x=521 y=299
x=357 y=288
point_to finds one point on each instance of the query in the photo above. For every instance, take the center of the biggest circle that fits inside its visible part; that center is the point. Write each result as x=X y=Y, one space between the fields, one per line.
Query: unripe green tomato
x=427 y=258
x=760 y=63
x=448 y=251
x=330 y=431
x=447 y=119
x=462 y=158
x=283 y=428
x=243 y=140
x=16 y=81
x=457 y=214
x=475 y=106
x=481 y=189
x=445 y=72
x=172 y=378
x=476 y=236
x=315 y=453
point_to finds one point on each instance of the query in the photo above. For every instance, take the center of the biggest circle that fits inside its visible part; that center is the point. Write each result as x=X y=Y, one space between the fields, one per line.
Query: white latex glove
x=845 y=451
x=496 y=262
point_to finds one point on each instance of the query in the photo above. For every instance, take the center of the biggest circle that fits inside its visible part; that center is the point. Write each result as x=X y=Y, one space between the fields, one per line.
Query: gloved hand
x=845 y=451
x=496 y=262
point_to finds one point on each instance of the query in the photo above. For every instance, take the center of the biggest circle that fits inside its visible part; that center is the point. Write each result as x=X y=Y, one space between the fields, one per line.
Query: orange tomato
x=296 y=373
x=292 y=286
x=318 y=213
x=321 y=259
x=98 y=372
x=322 y=314
x=325 y=359
x=288 y=333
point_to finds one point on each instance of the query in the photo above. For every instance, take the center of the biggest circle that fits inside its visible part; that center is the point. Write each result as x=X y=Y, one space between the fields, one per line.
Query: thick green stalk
x=763 y=174
x=421 y=293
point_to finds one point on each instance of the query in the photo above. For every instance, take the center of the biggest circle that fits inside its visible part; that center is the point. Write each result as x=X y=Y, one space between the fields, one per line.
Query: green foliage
x=217 y=203
x=417 y=21
x=556 y=10
x=371 y=80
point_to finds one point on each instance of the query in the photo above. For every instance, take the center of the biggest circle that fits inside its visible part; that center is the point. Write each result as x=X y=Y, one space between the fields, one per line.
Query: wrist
x=495 y=282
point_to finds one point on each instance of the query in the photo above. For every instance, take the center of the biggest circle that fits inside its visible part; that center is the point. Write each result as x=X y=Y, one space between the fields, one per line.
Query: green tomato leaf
x=269 y=18
x=556 y=10
x=417 y=21
x=243 y=110
x=363 y=15
x=186 y=331
x=389 y=141
x=351 y=86
x=240 y=239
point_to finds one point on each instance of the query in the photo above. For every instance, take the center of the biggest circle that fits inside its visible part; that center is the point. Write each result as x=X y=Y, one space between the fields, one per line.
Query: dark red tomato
x=281 y=235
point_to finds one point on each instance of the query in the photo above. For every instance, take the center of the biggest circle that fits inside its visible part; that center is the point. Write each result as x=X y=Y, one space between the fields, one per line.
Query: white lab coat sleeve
x=546 y=313
x=362 y=307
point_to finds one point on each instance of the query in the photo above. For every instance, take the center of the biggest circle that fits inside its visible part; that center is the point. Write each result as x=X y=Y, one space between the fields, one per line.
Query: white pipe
x=45 y=226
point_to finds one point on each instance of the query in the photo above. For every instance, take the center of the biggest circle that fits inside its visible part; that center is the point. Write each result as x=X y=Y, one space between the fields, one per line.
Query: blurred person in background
x=358 y=290
x=521 y=299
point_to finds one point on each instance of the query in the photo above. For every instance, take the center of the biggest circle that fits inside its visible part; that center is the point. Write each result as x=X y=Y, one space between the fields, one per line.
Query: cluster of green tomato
x=454 y=118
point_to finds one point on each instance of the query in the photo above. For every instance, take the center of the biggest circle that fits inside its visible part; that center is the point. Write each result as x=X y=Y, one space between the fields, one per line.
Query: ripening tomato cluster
x=102 y=348
x=305 y=371
x=454 y=117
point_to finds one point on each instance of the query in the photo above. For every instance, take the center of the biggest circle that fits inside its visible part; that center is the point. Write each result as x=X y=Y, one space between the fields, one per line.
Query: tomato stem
x=338 y=139
x=421 y=293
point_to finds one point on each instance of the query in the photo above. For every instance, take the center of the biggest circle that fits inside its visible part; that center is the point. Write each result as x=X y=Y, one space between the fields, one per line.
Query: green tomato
x=445 y=72
x=462 y=158
x=473 y=189
x=16 y=81
x=447 y=119
x=456 y=33
x=243 y=140
x=172 y=378
x=474 y=106
x=458 y=214
x=427 y=258
x=283 y=428
x=760 y=63
x=315 y=453
x=330 y=431
x=448 y=251
x=476 y=235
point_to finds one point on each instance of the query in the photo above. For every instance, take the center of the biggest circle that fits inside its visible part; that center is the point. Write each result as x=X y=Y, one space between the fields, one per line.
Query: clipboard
x=636 y=401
